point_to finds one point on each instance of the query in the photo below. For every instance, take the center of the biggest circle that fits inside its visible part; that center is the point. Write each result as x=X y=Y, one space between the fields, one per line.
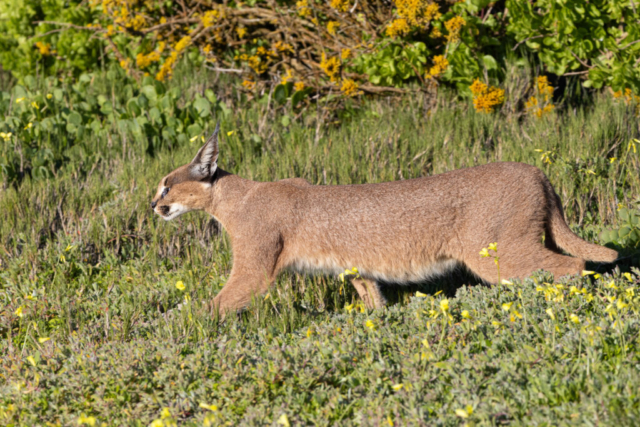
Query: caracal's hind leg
x=519 y=263
x=522 y=265
x=369 y=292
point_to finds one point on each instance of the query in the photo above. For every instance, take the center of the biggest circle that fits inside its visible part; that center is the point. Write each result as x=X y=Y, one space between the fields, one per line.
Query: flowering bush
x=338 y=46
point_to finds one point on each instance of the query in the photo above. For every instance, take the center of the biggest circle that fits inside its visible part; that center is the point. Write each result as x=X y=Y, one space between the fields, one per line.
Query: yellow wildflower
x=369 y=324
x=440 y=65
x=399 y=27
x=299 y=86
x=453 y=26
x=350 y=88
x=303 y=8
x=332 y=27
x=143 y=61
x=183 y=43
x=180 y=285
x=241 y=31
x=486 y=98
x=44 y=48
x=248 y=84
x=444 y=305
x=340 y=5
x=331 y=67
x=125 y=64
x=345 y=54
x=88 y=420
x=258 y=64
x=286 y=77
x=283 y=47
x=210 y=17
x=417 y=12
x=540 y=103
x=550 y=313
x=137 y=23
x=575 y=319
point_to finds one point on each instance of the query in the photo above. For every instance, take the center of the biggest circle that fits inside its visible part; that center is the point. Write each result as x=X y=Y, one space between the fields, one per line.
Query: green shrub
x=595 y=39
x=30 y=47
x=328 y=47
x=71 y=126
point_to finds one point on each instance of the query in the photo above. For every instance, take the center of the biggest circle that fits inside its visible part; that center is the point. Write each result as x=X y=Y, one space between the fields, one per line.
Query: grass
x=94 y=330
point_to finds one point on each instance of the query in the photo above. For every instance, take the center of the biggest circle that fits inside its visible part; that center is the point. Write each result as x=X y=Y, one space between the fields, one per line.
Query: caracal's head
x=188 y=188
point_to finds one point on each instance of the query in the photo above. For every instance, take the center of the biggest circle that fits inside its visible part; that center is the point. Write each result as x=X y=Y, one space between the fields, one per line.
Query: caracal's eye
x=164 y=192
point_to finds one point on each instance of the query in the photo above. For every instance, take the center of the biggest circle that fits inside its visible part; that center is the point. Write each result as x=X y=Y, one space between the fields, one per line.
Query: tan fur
x=403 y=231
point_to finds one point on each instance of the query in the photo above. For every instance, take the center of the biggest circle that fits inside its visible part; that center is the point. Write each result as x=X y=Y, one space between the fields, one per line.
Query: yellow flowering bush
x=332 y=27
x=541 y=102
x=331 y=67
x=440 y=65
x=486 y=98
x=453 y=26
x=377 y=46
x=350 y=88
x=629 y=98
x=340 y=5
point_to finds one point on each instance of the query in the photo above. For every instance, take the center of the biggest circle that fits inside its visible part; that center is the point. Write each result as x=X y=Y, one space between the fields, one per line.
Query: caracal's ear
x=205 y=163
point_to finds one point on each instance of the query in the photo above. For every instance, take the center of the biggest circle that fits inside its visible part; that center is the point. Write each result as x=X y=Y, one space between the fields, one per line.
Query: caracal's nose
x=153 y=205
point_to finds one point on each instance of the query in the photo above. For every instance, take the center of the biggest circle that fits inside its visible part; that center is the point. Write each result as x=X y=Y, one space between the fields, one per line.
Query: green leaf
x=624 y=232
x=194 y=130
x=143 y=101
x=155 y=115
x=58 y=95
x=297 y=97
x=133 y=107
x=150 y=92
x=203 y=107
x=280 y=94
x=623 y=214
x=74 y=118
x=489 y=62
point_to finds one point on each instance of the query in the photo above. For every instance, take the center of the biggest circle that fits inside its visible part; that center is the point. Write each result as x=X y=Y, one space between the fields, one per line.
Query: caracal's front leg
x=369 y=292
x=254 y=270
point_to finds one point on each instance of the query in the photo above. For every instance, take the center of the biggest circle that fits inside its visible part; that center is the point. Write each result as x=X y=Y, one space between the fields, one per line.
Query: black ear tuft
x=206 y=161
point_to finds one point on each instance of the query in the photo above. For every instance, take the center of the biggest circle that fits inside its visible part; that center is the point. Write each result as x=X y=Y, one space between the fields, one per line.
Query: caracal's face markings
x=177 y=194
x=188 y=188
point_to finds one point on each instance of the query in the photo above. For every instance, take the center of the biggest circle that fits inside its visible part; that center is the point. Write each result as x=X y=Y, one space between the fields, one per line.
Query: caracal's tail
x=560 y=234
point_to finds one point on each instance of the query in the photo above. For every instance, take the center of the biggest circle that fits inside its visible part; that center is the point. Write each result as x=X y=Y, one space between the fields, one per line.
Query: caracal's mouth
x=171 y=211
